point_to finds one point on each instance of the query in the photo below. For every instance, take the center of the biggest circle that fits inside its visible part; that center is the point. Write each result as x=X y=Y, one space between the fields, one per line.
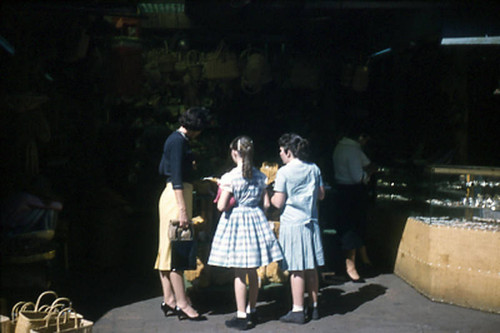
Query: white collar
x=349 y=141
x=183 y=134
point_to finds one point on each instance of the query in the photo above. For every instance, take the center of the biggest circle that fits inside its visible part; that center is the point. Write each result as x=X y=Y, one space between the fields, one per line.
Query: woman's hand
x=183 y=218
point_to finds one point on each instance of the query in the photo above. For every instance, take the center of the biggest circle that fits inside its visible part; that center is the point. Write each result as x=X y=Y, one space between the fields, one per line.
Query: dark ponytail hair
x=244 y=146
x=296 y=144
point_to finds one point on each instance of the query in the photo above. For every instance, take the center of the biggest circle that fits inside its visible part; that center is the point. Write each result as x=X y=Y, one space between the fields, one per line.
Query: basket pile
x=45 y=317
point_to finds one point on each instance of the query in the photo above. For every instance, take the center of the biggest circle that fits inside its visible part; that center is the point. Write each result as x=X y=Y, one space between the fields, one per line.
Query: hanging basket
x=355 y=77
x=221 y=64
x=166 y=60
x=256 y=70
x=194 y=65
x=305 y=74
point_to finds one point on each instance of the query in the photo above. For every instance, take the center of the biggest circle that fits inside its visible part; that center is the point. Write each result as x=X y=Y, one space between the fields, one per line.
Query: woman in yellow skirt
x=176 y=203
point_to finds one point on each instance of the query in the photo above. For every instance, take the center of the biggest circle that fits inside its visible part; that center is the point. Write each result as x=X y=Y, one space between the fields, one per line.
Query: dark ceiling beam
x=130 y=7
x=78 y=7
x=352 y=4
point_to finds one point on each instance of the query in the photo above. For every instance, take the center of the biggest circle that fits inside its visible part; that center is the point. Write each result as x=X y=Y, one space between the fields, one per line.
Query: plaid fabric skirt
x=244 y=239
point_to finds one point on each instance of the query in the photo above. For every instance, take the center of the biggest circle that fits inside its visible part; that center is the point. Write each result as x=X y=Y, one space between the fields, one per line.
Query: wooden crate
x=450 y=264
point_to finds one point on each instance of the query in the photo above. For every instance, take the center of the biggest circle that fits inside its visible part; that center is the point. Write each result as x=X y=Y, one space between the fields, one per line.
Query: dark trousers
x=350 y=215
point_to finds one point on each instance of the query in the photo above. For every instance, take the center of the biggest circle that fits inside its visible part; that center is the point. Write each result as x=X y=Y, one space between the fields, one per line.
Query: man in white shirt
x=352 y=172
x=350 y=162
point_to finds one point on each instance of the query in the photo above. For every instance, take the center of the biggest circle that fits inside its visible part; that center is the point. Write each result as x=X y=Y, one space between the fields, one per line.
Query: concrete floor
x=111 y=281
x=384 y=304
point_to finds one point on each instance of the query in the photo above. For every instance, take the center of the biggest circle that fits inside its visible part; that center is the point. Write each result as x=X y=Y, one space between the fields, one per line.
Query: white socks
x=240 y=314
x=298 y=308
x=250 y=310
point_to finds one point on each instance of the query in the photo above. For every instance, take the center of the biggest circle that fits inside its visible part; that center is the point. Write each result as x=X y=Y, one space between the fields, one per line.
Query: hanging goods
x=361 y=78
x=194 y=65
x=305 y=73
x=221 y=64
x=166 y=59
x=356 y=77
x=256 y=71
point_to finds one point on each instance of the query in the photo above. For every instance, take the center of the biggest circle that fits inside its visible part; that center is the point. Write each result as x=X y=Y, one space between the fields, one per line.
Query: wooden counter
x=455 y=264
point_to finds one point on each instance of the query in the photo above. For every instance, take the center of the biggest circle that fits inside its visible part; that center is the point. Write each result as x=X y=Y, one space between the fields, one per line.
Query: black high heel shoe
x=358 y=280
x=182 y=315
x=168 y=310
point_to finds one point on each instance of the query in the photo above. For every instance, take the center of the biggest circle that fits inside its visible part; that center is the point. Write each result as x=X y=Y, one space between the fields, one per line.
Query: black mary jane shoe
x=253 y=319
x=168 y=310
x=241 y=324
x=182 y=315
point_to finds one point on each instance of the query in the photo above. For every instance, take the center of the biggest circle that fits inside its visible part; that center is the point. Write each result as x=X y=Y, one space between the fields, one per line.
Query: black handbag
x=183 y=249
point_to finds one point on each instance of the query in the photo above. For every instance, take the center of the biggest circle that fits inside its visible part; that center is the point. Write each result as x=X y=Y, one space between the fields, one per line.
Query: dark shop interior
x=90 y=90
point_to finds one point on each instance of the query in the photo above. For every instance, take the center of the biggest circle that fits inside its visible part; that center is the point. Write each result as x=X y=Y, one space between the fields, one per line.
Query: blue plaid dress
x=244 y=238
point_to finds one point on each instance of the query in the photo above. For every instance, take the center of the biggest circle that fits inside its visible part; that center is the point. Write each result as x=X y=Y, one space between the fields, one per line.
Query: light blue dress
x=243 y=237
x=300 y=235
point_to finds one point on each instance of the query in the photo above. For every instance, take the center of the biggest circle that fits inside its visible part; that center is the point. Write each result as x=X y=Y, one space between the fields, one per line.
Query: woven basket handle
x=65 y=312
x=221 y=50
x=250 y=50
x=193 y=57
x=44 y=308
x=58 y=303
x=50 y=314
x=45 y=293
x=20 y=306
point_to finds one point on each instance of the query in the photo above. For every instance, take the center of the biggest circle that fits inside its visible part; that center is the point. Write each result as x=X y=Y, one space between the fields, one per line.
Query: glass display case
x=394 y=184
x=464 y=193
x=444 y=192
x=444 y=252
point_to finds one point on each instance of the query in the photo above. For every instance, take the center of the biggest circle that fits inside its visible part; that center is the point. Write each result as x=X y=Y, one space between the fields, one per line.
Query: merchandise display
x=444 y=259
x=444 y=252
x=464 y=192
x=476 y=223
x=394 y=184
x=450 y=191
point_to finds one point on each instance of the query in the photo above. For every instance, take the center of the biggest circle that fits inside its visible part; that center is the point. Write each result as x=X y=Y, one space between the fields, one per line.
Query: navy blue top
x=177 y=160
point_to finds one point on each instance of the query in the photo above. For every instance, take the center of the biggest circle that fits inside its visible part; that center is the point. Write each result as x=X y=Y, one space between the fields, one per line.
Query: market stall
x=453 y=258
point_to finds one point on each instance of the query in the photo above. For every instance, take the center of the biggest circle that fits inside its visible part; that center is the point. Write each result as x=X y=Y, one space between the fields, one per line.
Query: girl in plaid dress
x=244 y=239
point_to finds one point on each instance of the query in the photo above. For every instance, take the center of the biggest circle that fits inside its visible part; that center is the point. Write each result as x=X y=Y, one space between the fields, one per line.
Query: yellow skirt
x=168 y=210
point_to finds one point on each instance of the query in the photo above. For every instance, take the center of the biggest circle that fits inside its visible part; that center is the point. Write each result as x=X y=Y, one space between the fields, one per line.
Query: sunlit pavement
x=384 y=303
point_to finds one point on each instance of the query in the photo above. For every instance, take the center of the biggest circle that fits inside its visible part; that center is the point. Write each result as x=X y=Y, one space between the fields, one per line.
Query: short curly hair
x=195 y=118
x=296 y=144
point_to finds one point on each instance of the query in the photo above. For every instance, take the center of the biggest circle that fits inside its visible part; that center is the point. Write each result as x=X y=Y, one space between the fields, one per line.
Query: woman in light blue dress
x=243 y=239
x=298 y=187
